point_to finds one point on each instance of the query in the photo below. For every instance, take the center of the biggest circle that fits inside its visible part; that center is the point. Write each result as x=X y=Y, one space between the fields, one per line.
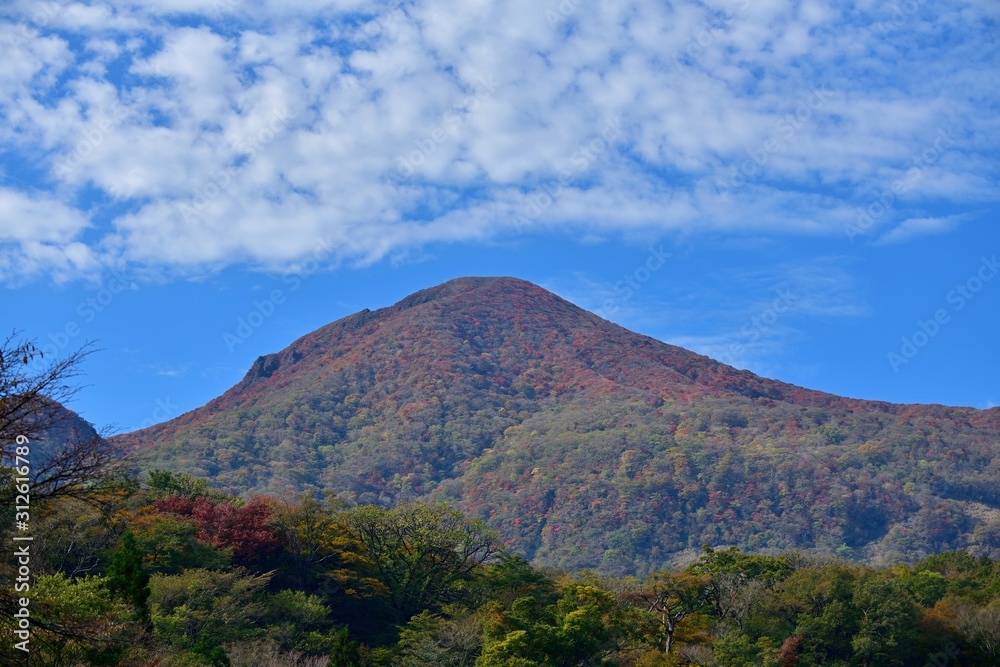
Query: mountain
x=65 y=452
x=63 y=427
x=587 y=445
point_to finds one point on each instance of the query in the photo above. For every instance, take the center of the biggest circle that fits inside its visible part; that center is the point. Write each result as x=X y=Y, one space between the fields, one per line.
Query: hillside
x=64 y=427
x=585 y=444
x=66 y=456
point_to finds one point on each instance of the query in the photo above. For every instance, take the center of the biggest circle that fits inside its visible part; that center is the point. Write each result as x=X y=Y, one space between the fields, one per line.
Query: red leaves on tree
x=246 y=530
x=175 y=505
x=789 y=652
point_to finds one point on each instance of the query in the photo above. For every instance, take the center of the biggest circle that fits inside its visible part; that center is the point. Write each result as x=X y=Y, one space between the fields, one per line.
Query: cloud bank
x=181 y=136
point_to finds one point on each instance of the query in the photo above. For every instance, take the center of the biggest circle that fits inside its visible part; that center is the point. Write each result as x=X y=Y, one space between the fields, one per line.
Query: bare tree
x=29 y=385
x=68 y=457
x=981 y=627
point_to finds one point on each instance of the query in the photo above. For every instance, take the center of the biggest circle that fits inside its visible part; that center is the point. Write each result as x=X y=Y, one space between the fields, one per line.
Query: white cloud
x=917 y=227
x=39 y=235
x=41 y=219
x=735 y=116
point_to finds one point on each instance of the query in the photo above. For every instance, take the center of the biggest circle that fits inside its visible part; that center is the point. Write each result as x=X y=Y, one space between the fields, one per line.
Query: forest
x=137 y=565
x=161 y=570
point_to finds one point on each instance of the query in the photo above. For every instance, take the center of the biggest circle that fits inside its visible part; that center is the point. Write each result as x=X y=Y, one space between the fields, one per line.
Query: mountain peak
x=470 y=283
x=489 y=288
x=528 y=411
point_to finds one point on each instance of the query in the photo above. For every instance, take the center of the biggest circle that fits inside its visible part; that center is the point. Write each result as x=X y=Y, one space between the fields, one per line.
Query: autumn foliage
x=586 y=445
x=245 y=529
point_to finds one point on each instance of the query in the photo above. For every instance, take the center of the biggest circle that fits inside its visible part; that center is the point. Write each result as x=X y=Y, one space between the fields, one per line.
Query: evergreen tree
x=345 y=651
x=126 y=576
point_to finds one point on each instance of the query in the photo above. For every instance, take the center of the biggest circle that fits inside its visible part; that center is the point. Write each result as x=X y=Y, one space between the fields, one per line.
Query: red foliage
x=176 y=505
x=246 y=530
x=789 y=652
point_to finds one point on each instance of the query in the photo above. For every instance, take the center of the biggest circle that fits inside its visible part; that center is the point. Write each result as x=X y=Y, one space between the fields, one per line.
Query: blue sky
x=808 y=190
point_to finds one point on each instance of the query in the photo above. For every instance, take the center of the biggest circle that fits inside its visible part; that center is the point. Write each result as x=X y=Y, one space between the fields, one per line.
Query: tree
x=299 y=621
x=512 y=577
x=667 y=599
x=209 y=650
x=887 y=627
x=66 y=460
x=315 y=542
x=737 y=582
x=926 y=586
x=432 y=639
x=127 y=577
x=980 y=626
x=246 y=529
x=201 y=610
x=74 y=538
x=818 y=602
x=28 y=388
x=587 y=626
x=345 y=652
x=72 y=622
x=163 y=484
x=170 y=544
x=420 y=555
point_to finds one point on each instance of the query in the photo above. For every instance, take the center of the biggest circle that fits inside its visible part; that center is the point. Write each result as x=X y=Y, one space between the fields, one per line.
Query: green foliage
x=585 y=626
x=817 y=601
x=126 y=576
x=420 y=556
x=975 y=579
x=163 y=483
x=207 y=606
x=74 y=620
x=210 y=652
x=665 y=600
x=731 y=561
x=926 y=586
x=344 y=650
x=735 y=583
x=887 y=622
x=431 y=639
x=74 y=538
x=316 y=545
x=299 y=621
x=511 y=577
x=170 y=545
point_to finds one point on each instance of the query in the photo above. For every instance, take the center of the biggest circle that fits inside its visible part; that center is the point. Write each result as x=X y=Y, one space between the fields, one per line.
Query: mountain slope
x=587 y=445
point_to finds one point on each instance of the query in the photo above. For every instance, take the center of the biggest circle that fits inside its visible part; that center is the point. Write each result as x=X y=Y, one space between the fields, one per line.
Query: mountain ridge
x=431 y=397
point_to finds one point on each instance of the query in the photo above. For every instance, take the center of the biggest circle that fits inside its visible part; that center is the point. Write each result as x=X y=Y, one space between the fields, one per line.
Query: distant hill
x=587 y=445
x=63 y=427
x=65 y=455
